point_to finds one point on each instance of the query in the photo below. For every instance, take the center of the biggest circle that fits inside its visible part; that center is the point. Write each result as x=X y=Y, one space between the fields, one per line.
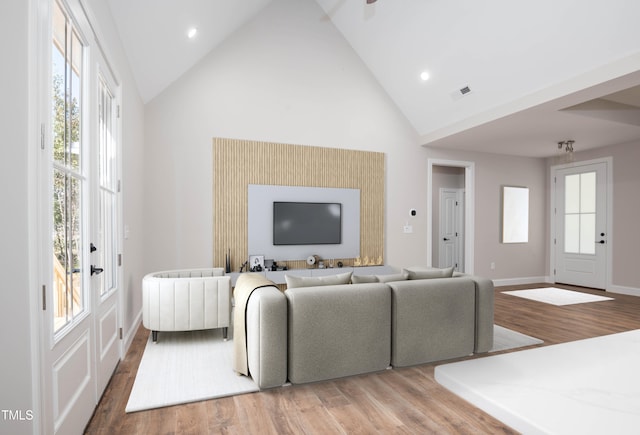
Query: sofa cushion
x=313 y=281
x=432 y=320
x=338 y=331
x=429 y=273
x=359 y=279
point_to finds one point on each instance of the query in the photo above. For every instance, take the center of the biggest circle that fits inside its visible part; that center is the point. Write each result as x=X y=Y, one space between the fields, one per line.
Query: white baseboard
x=623 y=290
x=131 y=333
x=520 y=281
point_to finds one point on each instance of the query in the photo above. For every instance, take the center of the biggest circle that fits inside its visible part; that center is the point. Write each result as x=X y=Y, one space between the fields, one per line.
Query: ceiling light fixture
x=192 y=33
x=568 y=149
x=424 y=75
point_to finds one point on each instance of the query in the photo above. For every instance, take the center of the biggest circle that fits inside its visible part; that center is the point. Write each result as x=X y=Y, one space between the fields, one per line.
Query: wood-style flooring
x=406 y=400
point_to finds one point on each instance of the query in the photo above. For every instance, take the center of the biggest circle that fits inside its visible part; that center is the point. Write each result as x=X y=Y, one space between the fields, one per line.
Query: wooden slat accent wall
x=238 y=163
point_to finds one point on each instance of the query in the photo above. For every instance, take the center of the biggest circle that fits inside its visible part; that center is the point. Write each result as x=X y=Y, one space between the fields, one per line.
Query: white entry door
x=451 y=240
x=106 y=223
x=581 y=225
x=79 y=224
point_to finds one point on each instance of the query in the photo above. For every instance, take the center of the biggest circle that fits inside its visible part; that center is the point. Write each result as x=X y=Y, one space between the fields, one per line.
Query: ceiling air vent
x=457 y=94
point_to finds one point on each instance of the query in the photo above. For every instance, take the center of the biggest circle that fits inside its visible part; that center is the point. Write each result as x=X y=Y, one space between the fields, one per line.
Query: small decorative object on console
x=256 y=263
x=312 y=260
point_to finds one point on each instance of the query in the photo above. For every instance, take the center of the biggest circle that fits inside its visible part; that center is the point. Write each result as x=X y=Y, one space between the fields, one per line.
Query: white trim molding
x=521 y=281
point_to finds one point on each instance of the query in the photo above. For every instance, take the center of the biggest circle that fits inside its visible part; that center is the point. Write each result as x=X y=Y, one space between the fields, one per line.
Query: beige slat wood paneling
x=238 y=163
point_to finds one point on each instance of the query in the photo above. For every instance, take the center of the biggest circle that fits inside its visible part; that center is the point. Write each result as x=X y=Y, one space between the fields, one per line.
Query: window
x=580 y=213
x=68 y=181
x=107 y=226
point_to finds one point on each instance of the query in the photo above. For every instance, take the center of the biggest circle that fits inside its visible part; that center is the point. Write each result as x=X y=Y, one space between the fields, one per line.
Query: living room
x=261 y=84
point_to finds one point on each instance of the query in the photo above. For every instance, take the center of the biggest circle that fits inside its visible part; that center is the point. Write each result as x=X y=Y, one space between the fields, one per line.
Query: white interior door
x=581 y=225
x=451 y=224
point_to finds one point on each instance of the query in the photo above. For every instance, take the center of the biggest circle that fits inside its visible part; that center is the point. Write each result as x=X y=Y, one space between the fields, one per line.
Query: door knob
x=602 y=242
x=96 y=270
x=445 y=239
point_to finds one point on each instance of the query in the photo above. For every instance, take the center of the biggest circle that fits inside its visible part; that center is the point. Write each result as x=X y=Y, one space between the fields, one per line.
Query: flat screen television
x=307 y=223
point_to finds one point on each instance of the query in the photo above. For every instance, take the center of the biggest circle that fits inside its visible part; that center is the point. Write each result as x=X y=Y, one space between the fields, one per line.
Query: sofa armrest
x=266 y=330
x=484 y=314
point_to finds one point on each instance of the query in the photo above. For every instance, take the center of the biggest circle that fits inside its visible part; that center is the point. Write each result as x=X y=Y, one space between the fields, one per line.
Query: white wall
x=15 y=321
x=287 y=76
x=492 y=171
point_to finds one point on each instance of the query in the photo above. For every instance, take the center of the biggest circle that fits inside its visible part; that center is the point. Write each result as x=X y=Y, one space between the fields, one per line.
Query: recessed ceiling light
x=424 y=75
x=192 y=33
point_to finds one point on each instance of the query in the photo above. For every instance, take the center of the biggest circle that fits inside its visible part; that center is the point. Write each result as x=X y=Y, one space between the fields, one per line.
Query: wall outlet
x=493 y=265
x=408 y=229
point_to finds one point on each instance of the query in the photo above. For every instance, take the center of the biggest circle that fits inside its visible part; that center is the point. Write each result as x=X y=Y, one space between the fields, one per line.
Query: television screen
x=307 y=223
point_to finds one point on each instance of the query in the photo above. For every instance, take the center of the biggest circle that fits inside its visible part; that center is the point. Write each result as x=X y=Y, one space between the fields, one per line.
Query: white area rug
x=583 y=387
x=557 y=296
x=185 y=367
x=504 y=339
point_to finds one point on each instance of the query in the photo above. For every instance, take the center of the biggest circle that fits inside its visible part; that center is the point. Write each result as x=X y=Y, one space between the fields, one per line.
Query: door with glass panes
x=80 y=213
x=581 y=225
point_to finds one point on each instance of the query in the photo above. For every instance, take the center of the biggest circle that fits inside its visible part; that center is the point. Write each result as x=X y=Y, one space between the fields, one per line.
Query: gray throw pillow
x=312 y=281
x=430 y=273
x=358 y=279
x=392 y=277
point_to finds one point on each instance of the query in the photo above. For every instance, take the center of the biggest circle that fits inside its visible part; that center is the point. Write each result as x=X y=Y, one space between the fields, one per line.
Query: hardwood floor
x=406 y=400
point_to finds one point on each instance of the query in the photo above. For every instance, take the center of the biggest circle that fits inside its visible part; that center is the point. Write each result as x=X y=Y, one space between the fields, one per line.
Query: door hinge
x=118 y=187
x=118 y=111
x=554 y=271
x=42 y=136
x=44 y=298
x=120 y=333
x=119 y=259
x=456 y=202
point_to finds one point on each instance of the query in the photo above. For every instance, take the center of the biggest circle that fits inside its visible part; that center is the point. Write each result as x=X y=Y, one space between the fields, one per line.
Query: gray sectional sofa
x=318 y=332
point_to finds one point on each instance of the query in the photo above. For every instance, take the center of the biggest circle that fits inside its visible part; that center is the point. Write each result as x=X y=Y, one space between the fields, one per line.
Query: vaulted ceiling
x=536 y=72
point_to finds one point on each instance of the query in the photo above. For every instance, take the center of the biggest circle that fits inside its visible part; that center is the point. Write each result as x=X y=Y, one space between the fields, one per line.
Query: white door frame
x=469 y=209
x=608 y=161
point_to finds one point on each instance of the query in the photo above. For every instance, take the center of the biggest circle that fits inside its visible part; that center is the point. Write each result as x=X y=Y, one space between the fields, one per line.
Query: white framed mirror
x=515 y=214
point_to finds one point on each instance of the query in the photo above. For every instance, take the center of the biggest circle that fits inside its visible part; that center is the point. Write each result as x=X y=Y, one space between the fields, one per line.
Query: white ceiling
x=154 y=35
x=526 y=63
